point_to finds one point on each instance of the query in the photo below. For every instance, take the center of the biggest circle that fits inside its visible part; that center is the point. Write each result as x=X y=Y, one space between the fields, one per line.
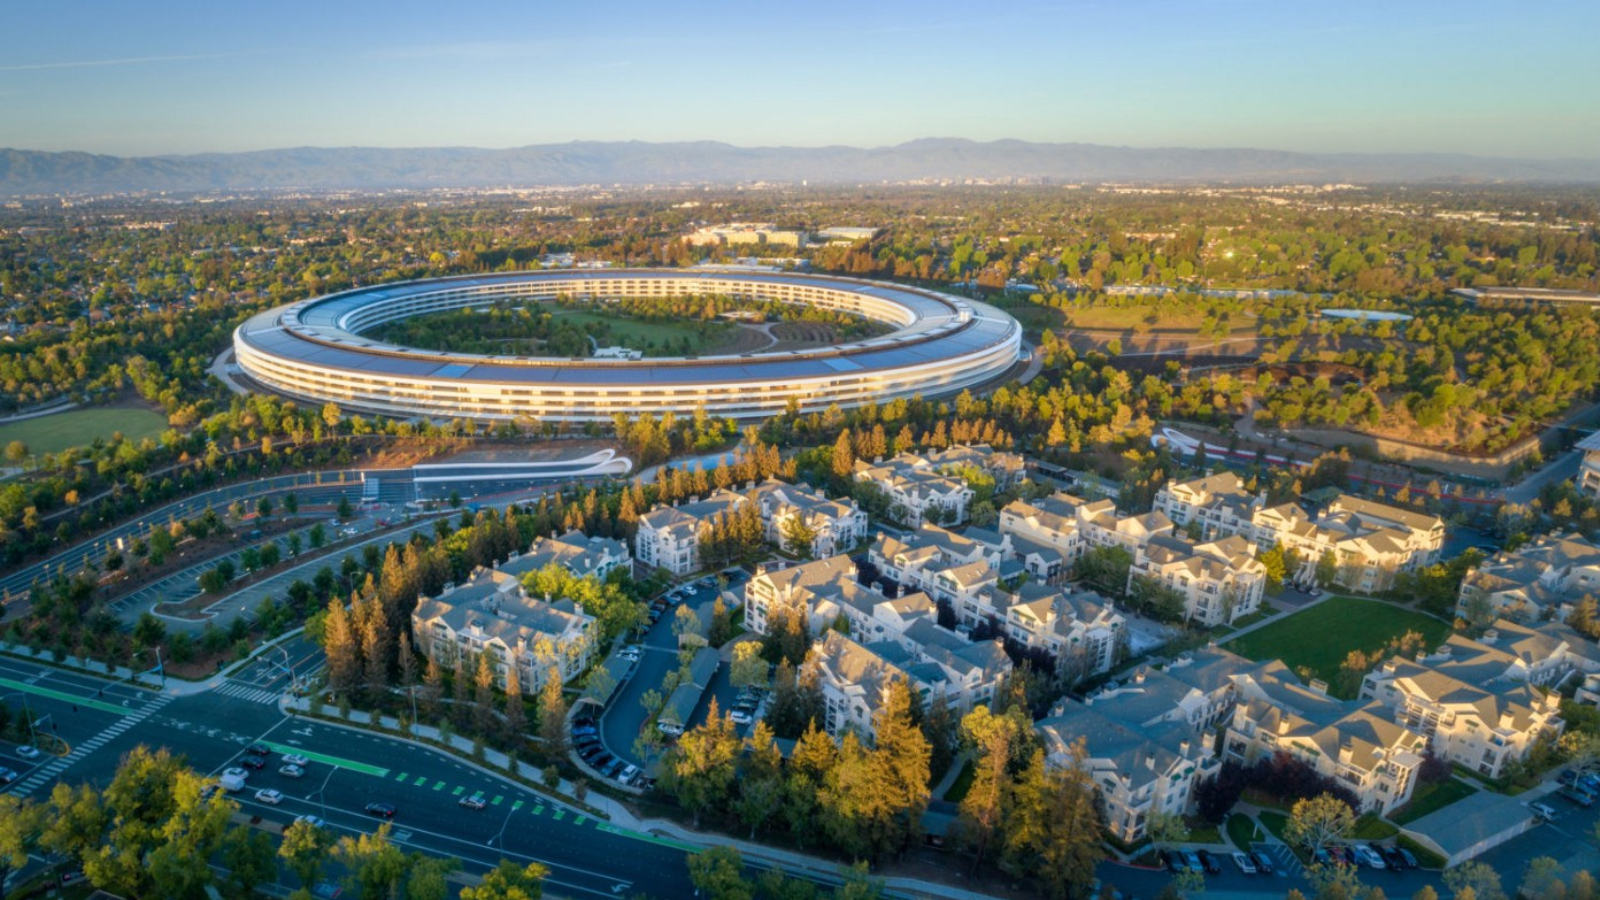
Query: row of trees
x=154 y=832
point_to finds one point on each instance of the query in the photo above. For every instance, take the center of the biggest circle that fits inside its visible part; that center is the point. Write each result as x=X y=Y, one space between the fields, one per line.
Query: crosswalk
x=254 y=695
x=49 y=771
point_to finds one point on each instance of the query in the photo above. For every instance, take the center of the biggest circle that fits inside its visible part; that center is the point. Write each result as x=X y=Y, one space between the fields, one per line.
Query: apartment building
x=1218 y=504
x=917 y=490
x=1589 y=475
x=1220 y=580
x=836 y=526
x=1355 y=742
x=1473 y=701
x=1546 y=576
x=492 y=614
x=1007 y=469
x=578 y=553
x=1077 y=628
x=669 y=536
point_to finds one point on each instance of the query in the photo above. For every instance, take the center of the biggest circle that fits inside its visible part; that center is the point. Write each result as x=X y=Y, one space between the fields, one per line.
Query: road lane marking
x=352 y=765
x=89 y=702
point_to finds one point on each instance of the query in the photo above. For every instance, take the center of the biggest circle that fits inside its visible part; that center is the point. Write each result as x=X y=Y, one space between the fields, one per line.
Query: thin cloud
x=125 y=61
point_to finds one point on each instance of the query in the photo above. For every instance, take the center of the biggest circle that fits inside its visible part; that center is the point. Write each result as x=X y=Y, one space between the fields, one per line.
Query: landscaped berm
x=79 y=427
x=1318 y=639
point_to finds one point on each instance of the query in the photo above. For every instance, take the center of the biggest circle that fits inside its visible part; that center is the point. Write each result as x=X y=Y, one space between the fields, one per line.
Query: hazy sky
x=148 y=77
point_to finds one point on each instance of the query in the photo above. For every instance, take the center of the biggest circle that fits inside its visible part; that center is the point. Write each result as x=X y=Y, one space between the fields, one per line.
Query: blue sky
x=150 y=77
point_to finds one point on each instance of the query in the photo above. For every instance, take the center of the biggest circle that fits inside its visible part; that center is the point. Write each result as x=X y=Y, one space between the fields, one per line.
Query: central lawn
x=1427 y=798
x=638 y=334
x=79 y=427
x=1242 y=831
x=1319 y=638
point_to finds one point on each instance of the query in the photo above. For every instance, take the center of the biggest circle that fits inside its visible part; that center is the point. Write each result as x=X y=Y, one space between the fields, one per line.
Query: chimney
x=1320 y=686
x=1490 y=636
x=1138 y=677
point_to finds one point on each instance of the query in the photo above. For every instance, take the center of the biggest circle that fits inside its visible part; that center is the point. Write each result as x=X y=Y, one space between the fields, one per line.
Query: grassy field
x=637 y=335
x=1319 y=638
x=1242 y=831
x=1427 y=798
x=78 y=427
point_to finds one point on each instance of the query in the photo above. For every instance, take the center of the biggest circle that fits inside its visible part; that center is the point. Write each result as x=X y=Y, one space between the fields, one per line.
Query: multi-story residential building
x=917 y=490
x=914 y=560
x=1589 y=474
x=1355 y=742
x=1045 y=534
x=669 y=536
x=805 y=587
x=1218 y=504
x=1078 y=628
x=492 y=614
x=836 y=526
x=1471 y=701
x=1547 y=575
x=1138 y=772
x=1220 y=580
x=1007 y=469
x=937 y=665
x=574 y=551
x=1369 y=542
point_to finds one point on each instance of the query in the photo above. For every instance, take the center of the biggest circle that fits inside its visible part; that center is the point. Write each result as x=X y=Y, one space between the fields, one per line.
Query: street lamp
x=500 y=836
x=323 y=797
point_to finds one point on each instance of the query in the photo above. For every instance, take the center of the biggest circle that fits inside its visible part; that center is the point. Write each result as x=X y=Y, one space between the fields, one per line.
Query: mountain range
x=24 y=172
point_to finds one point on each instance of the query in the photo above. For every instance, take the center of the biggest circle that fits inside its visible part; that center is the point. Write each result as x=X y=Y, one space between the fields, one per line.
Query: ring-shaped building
x=314 y=350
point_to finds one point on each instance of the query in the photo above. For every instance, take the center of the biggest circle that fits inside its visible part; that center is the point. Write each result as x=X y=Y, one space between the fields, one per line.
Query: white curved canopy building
x=314 y=350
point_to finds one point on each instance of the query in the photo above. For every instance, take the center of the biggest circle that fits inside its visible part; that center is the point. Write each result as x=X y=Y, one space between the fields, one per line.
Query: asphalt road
x=311 y=488
x=349 y=769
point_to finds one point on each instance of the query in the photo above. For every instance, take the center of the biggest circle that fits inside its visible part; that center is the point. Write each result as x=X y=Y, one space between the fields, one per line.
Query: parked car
x=1579 y=796
x=381 y=810
x=1192 y=860
x=7 y=775
x=628 y=773
x=292 y=772
x=1408 y=856
x=209 y=791
x=1245 y=863
x=258 y=749
x=1369 y=857
x=1322 y=857
x=1175 y=861
x=308 y=819
x=1210 y=862
x=1263 y=862
x=295 y=759
x=741 y=717
x=601 y=760
x=27 y=752
x=1393 y=857
x=253 y=762
x=268 y=795
x=475 y=801
x=1544 y=811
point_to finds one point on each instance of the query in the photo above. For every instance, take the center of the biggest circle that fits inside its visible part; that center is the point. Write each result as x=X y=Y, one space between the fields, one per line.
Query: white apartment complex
x=669 y=536
x=1547 y=575
x=836 y=526
x=1589 y=475
x=492 y=614
x=1369 y=542
x=574 y=551
x=1220 y=580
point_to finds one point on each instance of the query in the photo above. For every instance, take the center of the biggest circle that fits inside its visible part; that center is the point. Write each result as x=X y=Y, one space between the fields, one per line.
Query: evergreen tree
x=339 y=645
x=483 y=695
x=553 y=715
x=700 y=770
x=516 y=717
x=897 y=773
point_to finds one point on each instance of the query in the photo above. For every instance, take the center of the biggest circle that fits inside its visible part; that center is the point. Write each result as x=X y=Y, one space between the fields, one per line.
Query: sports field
x=78 y=427
x=1319 y=638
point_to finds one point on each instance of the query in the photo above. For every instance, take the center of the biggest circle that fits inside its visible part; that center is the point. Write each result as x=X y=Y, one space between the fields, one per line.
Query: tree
x=516 y=717
x=718 y=873
x=1317 y=821
x=761 y=779
x=1335 y=882
x=429 y=878
x=20 y=823
x=748 y=669
x=291 y=503
x=1053 y=830
x=843 y=460
x=376 y=865
x=992 y=738
x=248 y=856
x=797 y=536
x=1544 y=880
x=305 y=851
x=508 y=881
x=1166 y=829
x=699 y=771
x=553 y=716
x=896 y=774
x=16 y=452
x=1477 y=878
x=1327 y=569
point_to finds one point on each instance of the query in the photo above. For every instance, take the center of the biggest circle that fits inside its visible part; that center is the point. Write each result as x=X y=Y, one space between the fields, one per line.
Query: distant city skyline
x=1361 y=77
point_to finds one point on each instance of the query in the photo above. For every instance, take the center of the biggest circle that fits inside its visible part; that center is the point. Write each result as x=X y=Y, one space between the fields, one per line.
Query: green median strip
x=66 y=697
x=647 y=838
x=325 y=759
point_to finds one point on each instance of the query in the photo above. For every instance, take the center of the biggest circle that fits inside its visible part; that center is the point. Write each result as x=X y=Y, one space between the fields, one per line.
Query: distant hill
x=708 y=162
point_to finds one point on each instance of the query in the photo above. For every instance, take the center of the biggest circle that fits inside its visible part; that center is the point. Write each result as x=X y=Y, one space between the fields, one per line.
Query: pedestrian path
x=254 y=695
x=48 y=772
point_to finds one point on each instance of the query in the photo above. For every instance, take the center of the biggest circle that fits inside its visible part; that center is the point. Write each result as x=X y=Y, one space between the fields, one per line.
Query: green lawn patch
x=962 y=784
x=1275 y=822
x=1371 y=828
x=1427 y=798
x=1201 y=831
x=1319 y=638
x=1242 y=831
x=79 y=427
